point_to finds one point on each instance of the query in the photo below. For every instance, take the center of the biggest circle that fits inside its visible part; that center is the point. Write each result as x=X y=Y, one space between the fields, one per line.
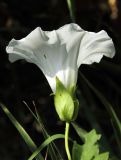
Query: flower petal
x=71 y=35
x=59 y=53
x=23 y=49
x=44 y=50
x=93 y=46
x=55 y=52
x=41 y=48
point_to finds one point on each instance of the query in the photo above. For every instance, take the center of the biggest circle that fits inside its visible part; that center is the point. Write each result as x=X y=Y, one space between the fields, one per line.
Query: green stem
x=70 y=4
x=66 y=141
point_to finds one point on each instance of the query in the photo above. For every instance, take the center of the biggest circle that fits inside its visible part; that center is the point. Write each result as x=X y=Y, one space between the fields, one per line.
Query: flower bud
x=66 y=104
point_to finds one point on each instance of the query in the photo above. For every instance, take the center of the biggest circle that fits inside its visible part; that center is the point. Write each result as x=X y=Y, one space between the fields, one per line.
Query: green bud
x=66 y=104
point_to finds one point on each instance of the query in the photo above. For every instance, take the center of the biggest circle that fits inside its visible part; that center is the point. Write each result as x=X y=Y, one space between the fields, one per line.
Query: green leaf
x=91 y=117
x=103 y=156
x=76 y=151
x=90 y=149
x=30 y=143
x=115 y=120
x=44 y=144
x=81 y=132
x=63 y=102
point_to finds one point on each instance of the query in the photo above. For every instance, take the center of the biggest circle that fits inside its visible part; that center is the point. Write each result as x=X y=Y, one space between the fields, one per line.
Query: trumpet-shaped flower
x=59 y=53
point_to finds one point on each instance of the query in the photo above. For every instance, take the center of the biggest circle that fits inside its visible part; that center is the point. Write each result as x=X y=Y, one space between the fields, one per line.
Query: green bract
x=65 y=102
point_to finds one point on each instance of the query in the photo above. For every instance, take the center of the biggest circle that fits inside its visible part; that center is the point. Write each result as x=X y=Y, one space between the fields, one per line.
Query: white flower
x=61 y=52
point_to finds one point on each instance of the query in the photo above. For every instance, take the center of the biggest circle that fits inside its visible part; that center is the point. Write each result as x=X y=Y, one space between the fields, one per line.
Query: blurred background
x=22 y=81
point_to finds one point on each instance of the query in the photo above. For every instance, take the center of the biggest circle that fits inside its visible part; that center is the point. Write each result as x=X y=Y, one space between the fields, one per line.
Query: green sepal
x=76 y=109
x=64 y=103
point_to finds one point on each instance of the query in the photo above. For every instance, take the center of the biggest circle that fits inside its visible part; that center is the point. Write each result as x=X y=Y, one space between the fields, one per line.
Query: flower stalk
x=66 y=141
x=70 y=4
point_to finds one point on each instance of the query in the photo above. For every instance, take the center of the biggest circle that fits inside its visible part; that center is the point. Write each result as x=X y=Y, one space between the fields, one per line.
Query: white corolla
x=59 y=53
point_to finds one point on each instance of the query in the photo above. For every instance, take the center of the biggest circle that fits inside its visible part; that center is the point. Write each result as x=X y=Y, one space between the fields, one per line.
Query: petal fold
x=94 y=46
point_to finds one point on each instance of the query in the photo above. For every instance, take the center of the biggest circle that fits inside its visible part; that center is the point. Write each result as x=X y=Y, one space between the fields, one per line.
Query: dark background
x=22 y=81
